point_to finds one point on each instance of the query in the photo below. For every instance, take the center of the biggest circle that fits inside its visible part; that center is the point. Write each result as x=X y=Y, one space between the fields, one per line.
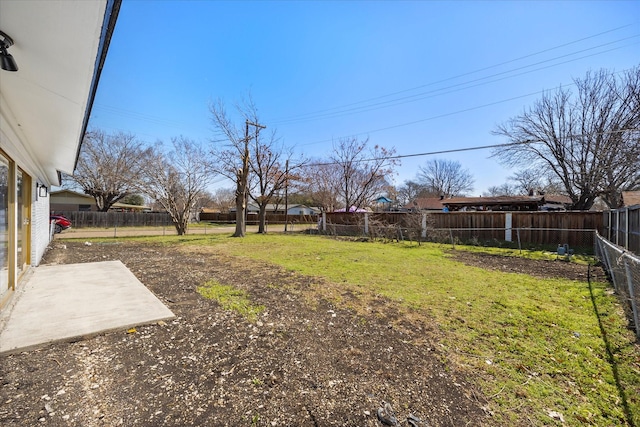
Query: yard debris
x=555 y=415
x=198 y=369
x=386 y=415
x=413 y=421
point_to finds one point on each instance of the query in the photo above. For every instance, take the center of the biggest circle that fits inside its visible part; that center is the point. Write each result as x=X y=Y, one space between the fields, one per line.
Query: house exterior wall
x=44 y=113
x=301 y=210
x=65 y=201
x=40 y=227
x=66 y=207
x=26 y=220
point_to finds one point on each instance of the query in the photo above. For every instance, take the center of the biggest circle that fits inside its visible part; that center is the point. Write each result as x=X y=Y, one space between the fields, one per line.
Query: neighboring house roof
x=118 y=205
x=50 y=96
x=311 y=208
x=210 y=210
x=558 y=199
x=73 y=197
x=279 y=207
x=498 y=200
x=69 y=196
x=383 y=199
x=426 y=203
x=501 y=202
x=630 y=198
x=66 y=192
x=352 y=209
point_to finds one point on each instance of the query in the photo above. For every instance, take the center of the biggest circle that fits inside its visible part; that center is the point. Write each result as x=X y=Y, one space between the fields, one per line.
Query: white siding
x=40 y=229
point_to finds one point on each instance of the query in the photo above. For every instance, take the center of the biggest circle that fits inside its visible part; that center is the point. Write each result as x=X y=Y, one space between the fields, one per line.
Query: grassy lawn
x=537 y=348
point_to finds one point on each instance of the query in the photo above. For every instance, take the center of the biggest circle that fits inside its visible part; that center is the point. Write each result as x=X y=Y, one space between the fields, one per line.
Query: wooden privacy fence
x=622 y=227
x=116 y=219
x=140 y=219
x=252 y=218
x=540 y=228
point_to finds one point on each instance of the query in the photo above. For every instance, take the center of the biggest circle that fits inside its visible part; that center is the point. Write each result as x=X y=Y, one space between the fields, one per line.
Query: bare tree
x=109 y=166
x=133 y=199
x=588 y=141
x=271 y=164
x=178 y=179
x=318 y=181
x=530 y=181
x=446 y=178
x=501 y=190
x=411 y=190
x=232 y=153
x=362 y=171
x=223 y=199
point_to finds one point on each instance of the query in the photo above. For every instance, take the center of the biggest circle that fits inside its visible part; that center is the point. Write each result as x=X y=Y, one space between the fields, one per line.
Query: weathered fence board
x=116 y=219
x=540 y=228
x=622 y=227
x=252 y=218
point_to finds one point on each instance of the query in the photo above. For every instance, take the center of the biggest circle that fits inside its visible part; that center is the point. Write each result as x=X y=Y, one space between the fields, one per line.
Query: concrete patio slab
x=71 y=301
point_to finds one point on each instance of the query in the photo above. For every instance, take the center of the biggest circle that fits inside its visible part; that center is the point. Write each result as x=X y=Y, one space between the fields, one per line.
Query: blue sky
x=419 y=76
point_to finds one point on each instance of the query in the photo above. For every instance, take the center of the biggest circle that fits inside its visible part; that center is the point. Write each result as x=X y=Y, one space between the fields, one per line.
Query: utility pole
x=286 y=194
x=242 y=183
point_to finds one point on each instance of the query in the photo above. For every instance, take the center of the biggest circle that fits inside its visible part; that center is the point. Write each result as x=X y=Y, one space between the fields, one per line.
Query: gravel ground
x=306 y=361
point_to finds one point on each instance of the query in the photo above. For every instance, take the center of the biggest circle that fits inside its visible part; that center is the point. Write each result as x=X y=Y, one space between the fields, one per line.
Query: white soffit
x=55 y=47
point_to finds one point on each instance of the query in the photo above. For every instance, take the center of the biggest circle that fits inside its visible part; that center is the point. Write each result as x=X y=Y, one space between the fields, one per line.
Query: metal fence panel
x=622 y=227
x=624 y=269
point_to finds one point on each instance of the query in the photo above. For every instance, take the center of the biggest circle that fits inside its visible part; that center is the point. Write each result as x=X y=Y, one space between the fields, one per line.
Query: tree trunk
x=240 y=222
x=101 y=204
x=262 y=219
x=242 y=178
x=181 y=227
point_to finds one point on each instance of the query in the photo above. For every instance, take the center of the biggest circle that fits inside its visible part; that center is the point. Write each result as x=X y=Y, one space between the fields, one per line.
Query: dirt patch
x=305 y=362
x=557 y=268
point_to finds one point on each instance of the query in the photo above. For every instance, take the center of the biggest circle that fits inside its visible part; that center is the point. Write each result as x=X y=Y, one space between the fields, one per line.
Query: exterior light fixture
x=6 y=60
x=42 y=190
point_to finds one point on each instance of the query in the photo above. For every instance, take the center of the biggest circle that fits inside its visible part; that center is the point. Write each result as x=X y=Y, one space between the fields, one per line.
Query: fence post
x=424 y=226
x=507 y=226
x=634 y=306
x=324 y=221
x=366 y=224
x=627 y=228
x=618 y=227
x=610 y=267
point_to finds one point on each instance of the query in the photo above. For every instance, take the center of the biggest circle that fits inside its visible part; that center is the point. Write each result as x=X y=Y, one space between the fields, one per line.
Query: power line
x=439 y=116
x=305 y=117
x=301 y=116
x=444 y=90
x=429 y=153
x=460 y=150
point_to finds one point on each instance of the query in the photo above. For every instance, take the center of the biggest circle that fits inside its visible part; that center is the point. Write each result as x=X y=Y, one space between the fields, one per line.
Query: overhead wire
x=460 y=150
x=415 y=97
x=458 y=86
x=439 y=116
x=340 y=108
x=463 y=88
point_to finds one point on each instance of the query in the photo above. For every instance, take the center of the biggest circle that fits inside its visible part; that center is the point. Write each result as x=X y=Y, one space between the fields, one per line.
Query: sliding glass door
x=15 y=224
x=23 y=196
x=5 y=284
